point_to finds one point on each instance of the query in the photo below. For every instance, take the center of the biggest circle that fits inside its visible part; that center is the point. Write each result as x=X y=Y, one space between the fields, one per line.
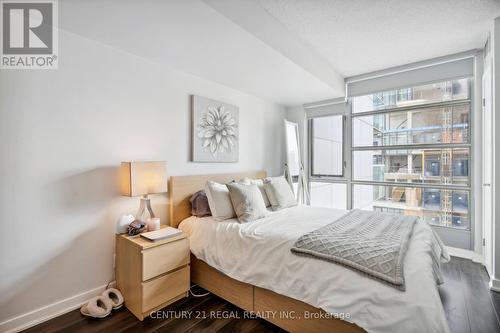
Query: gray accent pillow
x=247 y=201
x=199 y=204
x=279 y=192
x=260 y=185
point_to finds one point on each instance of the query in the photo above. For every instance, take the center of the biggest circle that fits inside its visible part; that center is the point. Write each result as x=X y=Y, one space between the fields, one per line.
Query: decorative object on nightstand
x=142 y=179
x=153 y=223
x=136 y=227
x=152 y=275
x=123 y=223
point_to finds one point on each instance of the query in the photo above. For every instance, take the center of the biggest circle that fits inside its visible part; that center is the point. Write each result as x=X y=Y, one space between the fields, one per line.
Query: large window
x=409 y=152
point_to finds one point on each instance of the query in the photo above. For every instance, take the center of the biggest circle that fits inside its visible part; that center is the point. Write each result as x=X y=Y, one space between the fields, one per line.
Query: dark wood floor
x=469 y=304
x=470 y=307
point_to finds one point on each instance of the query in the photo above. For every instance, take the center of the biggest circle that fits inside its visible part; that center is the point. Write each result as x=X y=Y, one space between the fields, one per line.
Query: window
x=412 y=165
x=409 y=153
x=419 y=126
x=420 y=95
x=428 y=203
x=327 y=136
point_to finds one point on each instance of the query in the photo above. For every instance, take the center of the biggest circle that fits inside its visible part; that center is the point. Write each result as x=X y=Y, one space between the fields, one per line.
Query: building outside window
x=410 y=153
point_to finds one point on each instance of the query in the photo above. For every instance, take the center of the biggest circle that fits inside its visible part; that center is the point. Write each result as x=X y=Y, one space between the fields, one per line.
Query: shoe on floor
x=97 y=307
x=115 y=296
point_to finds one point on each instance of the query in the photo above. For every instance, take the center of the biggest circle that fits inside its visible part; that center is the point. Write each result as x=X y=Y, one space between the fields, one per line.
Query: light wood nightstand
x=151 y=275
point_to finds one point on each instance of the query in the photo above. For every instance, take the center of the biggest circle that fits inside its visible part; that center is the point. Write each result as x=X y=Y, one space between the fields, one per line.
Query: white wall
x=477 y=151
x=495 y=49
x=63 y=134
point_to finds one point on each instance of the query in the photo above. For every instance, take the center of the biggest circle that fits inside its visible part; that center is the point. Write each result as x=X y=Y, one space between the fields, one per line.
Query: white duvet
x=259 y=253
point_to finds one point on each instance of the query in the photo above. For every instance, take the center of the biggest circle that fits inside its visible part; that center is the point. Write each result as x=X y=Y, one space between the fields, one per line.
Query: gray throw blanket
x=373 y=243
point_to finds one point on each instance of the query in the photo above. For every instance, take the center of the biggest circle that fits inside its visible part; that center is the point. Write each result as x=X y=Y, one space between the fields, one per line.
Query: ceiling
x=190 y=36
x=286 y=51
x=360 y=36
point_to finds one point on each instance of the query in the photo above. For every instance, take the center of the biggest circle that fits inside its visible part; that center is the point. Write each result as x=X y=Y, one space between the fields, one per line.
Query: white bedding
x=259 y=253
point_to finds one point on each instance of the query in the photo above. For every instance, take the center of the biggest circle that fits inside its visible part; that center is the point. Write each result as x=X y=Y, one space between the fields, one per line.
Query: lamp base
x=145 y=204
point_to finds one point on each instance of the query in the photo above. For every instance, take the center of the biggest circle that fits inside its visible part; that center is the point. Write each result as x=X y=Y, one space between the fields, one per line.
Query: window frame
x=310 y=132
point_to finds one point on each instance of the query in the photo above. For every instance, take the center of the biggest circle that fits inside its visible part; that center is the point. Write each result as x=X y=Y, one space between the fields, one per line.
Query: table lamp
x=142 y=179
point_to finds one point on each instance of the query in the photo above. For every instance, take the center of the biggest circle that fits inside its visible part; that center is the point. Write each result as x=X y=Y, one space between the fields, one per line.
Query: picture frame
x=215 y=131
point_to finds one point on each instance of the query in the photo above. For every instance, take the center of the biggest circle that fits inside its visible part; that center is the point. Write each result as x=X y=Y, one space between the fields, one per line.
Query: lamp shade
x=140 y=178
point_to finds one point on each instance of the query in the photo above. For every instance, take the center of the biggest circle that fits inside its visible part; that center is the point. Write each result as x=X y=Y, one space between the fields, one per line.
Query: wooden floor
x=469 y=305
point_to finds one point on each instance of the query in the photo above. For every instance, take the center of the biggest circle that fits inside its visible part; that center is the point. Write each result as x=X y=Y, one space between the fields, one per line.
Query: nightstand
x=151 y=275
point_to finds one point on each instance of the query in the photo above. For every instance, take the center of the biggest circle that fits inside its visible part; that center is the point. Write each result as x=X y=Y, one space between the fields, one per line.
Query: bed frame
x=289 y=312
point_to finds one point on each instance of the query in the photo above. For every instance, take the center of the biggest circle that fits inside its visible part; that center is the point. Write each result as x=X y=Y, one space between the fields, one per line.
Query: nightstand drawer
x=164 y=258
x=160 y=290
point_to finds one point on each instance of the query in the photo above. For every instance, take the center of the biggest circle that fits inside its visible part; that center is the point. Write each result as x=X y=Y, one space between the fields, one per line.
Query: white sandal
x=115 y=296
x=97 y=307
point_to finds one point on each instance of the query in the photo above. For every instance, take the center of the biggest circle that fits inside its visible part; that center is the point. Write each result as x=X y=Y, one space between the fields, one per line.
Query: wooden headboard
x=181 y=188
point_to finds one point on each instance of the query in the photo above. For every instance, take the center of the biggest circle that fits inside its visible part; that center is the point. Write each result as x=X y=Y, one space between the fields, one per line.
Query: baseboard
x=49 y=311
x=495 y=285
x=467 y=254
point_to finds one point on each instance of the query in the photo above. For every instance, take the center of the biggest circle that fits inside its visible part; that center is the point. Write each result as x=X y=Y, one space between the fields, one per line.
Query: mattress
x=259 y=253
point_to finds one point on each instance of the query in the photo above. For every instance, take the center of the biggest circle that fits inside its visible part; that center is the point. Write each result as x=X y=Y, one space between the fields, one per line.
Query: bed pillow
x=279 y=192
x=219 y=201
x=199 y=204
x=260 y=185
x=247 y=201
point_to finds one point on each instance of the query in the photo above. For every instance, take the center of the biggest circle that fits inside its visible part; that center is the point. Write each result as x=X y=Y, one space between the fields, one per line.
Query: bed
x=251 y=266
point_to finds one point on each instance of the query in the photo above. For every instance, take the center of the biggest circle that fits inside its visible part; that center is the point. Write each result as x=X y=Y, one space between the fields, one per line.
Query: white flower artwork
x=215 y=131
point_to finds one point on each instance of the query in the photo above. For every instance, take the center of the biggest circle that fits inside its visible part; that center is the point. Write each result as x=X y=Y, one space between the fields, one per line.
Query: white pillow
x=219 y=201
x=247 y=201
x=279 y=192
x=260 y=185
